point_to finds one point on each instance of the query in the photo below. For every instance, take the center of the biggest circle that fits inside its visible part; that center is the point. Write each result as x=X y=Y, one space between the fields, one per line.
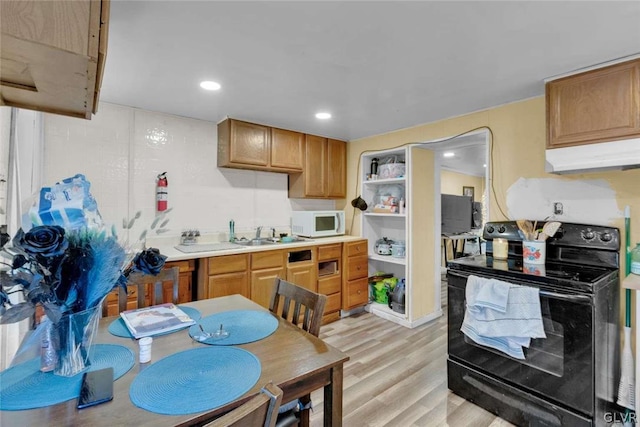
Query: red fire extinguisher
x=162 y=192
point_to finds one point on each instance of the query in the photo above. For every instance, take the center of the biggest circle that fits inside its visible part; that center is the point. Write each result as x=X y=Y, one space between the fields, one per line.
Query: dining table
x=291 y=358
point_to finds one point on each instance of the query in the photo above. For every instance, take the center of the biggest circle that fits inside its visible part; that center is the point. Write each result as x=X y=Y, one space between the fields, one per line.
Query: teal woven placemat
x=119 y=329
x=195 y=380
x=25 y=387
x=244 y=326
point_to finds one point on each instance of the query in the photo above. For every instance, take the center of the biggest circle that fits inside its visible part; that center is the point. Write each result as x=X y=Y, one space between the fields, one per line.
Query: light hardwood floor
x=397 y=376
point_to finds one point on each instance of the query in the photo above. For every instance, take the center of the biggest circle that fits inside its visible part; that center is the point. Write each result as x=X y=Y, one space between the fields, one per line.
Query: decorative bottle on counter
x=635 y=260
x=232 y=231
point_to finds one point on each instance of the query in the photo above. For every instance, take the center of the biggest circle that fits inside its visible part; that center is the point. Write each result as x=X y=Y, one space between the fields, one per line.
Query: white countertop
x=168 y=247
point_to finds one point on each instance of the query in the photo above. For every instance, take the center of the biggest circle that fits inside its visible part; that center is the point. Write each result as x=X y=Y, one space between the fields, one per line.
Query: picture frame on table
x=468 y=191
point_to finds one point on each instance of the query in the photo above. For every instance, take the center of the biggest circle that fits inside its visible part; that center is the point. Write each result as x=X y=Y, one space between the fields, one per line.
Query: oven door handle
x=566 y=297
x=563 y=297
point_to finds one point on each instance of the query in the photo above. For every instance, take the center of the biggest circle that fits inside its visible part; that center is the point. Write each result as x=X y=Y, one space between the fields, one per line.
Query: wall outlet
x=557 y=208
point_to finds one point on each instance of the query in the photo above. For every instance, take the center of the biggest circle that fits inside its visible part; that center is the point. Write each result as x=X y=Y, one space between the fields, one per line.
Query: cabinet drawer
x=228 y=264
x=185 y=265
x=267 y=259
x=333 y=303
x=358 y=267
x=356 y=248
x=357 y=293
x=329 y=252
x=329 y=285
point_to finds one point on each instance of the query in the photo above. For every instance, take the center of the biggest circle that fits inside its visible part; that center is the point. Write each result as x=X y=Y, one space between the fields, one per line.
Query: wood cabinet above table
x=53 y=55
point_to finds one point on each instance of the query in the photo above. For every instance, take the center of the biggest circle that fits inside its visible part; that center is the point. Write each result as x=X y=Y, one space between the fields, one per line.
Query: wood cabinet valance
x=594 y=106
x=53 y=54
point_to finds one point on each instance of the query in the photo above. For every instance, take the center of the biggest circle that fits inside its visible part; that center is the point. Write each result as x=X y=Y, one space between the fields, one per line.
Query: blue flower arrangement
x=64 y=259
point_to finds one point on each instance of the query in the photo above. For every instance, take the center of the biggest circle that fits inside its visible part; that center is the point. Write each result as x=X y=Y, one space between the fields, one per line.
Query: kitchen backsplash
x=122 y=150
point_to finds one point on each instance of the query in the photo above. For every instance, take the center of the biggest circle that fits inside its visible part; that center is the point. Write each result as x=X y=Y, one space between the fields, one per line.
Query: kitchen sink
x=255 y=242
x=271 y=241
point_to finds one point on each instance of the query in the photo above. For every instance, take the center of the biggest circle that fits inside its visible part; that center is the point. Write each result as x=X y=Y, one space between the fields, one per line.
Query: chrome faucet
x=258 y=231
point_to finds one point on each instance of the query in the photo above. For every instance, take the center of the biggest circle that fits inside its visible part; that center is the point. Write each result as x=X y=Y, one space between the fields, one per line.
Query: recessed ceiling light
x=448 y=154
x=484 y=166
x=323 y=116
x=209 y=85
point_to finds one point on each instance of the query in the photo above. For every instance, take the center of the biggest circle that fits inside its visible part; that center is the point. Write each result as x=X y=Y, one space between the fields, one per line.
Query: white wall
x=122 y=150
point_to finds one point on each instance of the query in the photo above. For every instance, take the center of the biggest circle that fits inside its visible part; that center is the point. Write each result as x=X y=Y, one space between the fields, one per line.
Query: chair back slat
x=307 y=304
x=155 y=286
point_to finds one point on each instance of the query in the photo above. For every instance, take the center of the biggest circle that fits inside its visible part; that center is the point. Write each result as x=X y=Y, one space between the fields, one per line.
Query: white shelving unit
x=393 y=226
x=420 y=190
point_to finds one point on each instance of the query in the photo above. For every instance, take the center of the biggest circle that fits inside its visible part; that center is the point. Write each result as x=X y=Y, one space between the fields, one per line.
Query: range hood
x=613 y=155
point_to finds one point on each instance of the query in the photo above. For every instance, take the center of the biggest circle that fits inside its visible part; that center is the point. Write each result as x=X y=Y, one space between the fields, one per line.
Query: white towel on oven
x=502 y=315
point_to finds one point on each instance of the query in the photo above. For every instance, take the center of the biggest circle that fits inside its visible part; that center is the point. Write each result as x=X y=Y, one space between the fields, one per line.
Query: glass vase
x=72 y=337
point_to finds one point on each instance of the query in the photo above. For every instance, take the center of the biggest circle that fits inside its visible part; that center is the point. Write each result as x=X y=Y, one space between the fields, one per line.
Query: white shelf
x=385 y=181
x=385 y=215
x=393 y=226
x=383 y=310
x=389 y=259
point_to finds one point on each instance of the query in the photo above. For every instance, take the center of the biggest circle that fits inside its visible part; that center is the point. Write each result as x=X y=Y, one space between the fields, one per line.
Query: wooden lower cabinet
x=221 y=285
x=330 y=280
x=266 y=266
x=355 y=292
x=132 y=300
x=224 y=275
x=262 y=282
x=304 y=275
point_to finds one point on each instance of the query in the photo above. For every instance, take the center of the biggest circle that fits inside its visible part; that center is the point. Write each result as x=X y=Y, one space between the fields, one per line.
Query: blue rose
x=44 y=241
x=149 y=261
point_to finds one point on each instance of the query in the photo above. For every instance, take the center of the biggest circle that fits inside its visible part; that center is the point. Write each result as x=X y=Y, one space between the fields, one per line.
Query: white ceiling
x=376 y=66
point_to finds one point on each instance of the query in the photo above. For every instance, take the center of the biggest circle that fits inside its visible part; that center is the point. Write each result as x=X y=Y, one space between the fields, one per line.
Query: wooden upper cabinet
x=324 y=174
x=287 y=149
x=245 y=145
x=53 y=55
x=336 y=169
x=315 y=166
x=595 y=106
x=242 y=144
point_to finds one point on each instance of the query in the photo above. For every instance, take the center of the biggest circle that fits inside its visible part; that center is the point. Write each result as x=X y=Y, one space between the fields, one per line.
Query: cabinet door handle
x=359 y=291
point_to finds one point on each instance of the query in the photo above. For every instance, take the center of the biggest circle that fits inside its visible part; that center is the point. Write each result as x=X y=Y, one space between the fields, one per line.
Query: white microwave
x=317 y=223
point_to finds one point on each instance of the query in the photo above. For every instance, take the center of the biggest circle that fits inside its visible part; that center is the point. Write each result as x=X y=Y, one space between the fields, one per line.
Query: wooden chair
x=141 y=281
x=308 y=308
x=260 y=411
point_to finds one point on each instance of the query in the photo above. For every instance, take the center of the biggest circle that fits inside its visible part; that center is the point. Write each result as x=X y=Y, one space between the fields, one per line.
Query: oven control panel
x=569 y=234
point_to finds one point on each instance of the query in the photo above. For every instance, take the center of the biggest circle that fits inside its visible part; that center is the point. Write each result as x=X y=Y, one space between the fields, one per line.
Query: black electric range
x=570 y=377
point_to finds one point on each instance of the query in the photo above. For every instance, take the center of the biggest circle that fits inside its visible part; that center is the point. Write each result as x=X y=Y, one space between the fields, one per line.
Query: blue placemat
x=195 y=380
x=25 y=387
x=244 y=326
x=119 y=329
